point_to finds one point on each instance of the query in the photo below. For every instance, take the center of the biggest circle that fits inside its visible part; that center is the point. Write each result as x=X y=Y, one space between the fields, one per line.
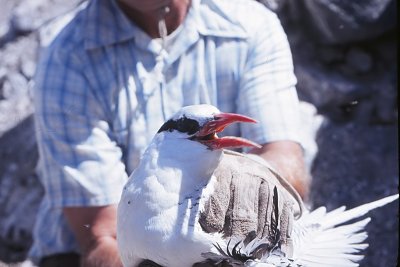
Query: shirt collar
x=106 y=24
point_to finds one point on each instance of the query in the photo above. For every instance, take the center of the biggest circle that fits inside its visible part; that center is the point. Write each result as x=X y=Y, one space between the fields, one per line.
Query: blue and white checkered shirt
x=104 y=87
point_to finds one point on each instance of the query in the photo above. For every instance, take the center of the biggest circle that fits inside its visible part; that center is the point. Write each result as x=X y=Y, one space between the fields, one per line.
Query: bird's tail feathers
x=335 y=217
x=327 y=239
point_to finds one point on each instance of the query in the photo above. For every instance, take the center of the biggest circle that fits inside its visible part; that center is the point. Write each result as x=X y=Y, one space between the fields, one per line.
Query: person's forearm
x=287 y=158
x=103 y=253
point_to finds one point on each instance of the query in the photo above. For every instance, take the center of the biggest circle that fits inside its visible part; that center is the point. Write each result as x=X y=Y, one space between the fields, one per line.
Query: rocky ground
x=346 y=64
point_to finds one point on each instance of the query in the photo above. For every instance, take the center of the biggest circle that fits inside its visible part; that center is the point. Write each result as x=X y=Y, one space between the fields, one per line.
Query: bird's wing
x=317 y=242
x=260 y=167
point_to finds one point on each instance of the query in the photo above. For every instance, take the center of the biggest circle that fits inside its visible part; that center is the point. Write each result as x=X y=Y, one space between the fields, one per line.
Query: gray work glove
x=243 y=201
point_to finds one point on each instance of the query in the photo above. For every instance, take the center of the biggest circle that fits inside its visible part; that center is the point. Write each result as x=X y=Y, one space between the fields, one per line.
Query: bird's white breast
x=159 y=209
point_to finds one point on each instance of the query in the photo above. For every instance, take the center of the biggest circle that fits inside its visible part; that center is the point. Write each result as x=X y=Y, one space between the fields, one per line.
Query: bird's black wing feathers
x=274 y=238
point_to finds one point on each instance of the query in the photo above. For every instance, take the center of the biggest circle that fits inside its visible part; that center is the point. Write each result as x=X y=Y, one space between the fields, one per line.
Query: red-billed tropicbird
x=160 y=205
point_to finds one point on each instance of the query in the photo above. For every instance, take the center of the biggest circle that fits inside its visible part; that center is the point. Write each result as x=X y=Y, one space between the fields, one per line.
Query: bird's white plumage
x=159 y=208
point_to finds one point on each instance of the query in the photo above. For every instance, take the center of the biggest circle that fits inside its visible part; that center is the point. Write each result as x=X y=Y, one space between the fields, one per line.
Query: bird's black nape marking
x=183 y=125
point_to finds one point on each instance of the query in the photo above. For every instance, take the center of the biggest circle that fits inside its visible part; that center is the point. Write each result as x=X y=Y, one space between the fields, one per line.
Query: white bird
x=158 y=215
x=160 y=205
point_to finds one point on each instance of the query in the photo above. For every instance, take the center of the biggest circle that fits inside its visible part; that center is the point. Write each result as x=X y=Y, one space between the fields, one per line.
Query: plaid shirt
x=103 y=88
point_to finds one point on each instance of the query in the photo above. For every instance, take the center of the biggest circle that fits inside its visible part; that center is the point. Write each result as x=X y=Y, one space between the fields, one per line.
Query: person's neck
x=148 y=21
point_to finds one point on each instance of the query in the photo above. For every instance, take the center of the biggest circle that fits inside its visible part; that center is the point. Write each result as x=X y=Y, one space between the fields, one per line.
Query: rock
x=15 y=100
x=19 y=51
x=386 y=49
x=333 y=94
x=24 y=16
x=342 y=21
x=3 y=74
x=356 y=163
x=27 y=68
x=6 y=90
x=385 y=108
x=345 y=82
x=20 y=191
x=18 y=86
x=357 y=158
x=30 y=15
x=359 y=60
x=330 y=54
x=4 y=30
x=6 y=9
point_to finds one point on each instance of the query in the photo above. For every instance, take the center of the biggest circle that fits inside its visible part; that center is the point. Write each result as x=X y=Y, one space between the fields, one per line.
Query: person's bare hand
x=287 y=158
x=95 y=229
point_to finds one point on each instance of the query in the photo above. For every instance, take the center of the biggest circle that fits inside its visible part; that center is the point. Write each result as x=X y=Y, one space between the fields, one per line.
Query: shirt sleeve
x=80 y=163
x=267 y=88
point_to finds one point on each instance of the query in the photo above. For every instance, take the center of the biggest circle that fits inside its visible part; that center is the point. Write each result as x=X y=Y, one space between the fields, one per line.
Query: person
x=111 y=78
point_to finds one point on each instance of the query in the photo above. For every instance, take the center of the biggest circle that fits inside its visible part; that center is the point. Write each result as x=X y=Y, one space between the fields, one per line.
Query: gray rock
x=4 y=30
x=330 y=54
x=18 y=85
x=27 y=68
x=385 y=104
x=342 y=21
x=15 y=75
x=359 y=60
x=20 y=191
x=357 y=159
x=3 y=76
x=30 y=15
x=332 y=93
x=15 y=103
x=357 y=163
x=6 y=9
x=19 y=51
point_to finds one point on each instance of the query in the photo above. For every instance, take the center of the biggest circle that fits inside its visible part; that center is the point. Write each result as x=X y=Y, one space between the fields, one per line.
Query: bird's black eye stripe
x=183 y=125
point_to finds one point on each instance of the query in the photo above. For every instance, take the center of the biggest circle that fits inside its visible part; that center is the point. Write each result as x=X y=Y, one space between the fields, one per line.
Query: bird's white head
x=201 y=123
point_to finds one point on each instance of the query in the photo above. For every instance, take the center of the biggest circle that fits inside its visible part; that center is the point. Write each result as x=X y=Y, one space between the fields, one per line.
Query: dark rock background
x=345 y=55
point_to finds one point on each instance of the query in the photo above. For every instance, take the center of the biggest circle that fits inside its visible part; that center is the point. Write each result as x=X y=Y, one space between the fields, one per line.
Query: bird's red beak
x=208 y=134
